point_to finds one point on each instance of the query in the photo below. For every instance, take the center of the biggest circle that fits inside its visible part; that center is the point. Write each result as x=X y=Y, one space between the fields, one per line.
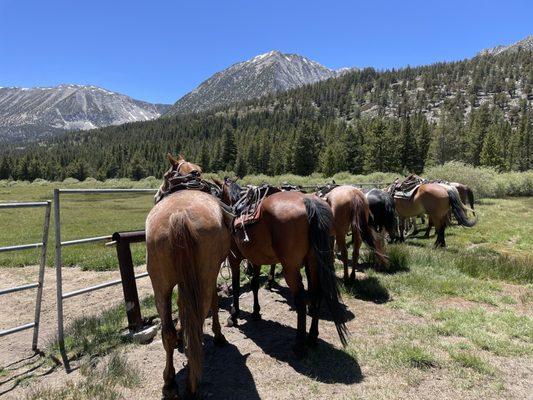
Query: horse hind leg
x=235 y=265
x=219 y=338
x=316 y=297
x=439 y=229
x=163 y=301
x=294 y=281
x=271 y=277
x=256 y=315
x=341 y=245
x=357 y=241
x=428 y=230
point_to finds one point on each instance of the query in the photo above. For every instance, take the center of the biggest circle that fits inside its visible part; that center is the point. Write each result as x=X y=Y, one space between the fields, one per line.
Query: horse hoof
x=256 y=316
x=220 y=341
x=170 y=391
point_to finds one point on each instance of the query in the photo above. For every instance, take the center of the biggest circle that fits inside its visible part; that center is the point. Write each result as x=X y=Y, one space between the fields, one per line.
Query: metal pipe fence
x=42 y=265
x=60 y=296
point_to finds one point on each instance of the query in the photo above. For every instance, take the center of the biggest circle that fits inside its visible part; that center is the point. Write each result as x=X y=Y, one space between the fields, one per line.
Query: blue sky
x=159 y=50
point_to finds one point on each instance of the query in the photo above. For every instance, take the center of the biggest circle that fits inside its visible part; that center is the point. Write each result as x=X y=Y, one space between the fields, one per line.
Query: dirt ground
x=16 y=357
x=258 y=362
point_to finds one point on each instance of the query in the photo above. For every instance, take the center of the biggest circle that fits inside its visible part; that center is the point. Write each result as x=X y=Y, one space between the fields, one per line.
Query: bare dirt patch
x=258 y=362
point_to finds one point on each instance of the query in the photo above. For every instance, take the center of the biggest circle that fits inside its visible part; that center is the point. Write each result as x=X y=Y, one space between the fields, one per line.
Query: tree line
x=477 y=111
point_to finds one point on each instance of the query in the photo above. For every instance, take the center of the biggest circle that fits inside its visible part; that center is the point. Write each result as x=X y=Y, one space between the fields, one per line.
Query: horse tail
x=470 y=195
x=360 y=221
x=320 y=219
x=390 y=215
x=458 y=209
x=190 y=304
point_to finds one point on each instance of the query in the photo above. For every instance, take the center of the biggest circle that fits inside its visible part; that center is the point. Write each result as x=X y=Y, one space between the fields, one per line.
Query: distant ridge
x=34 y=112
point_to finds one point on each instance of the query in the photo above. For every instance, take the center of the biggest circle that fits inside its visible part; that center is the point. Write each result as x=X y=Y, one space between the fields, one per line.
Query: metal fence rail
x=42 y=265
x=58 y=261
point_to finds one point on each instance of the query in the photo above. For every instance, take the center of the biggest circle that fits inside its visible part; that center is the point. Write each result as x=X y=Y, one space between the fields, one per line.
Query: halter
x=179 y=166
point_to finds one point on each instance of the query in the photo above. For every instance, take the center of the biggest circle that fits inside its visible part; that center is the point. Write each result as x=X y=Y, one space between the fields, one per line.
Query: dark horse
x=383 y=212
x=187 y=238
x=294 y=230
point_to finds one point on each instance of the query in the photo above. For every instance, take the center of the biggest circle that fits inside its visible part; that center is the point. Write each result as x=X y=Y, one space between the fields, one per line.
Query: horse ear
x=171 y=159
x=180 y=158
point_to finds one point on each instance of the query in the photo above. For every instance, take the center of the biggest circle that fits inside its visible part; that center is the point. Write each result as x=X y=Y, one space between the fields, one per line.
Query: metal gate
x=58 y=263
x=42 y=265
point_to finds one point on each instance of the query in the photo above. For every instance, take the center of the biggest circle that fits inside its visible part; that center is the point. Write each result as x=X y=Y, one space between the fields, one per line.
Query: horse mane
x=234 y=190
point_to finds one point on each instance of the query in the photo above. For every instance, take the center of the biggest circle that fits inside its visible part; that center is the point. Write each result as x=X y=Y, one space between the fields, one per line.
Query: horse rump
x=320 y=219
x=190 y=296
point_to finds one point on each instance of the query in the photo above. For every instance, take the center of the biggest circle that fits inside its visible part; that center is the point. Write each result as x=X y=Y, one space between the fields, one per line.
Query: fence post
x=40 y=281
x=129 y=286
x=59 y=282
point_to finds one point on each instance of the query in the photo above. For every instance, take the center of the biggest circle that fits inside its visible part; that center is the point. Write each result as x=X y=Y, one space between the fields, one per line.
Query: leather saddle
x=248 y=208
x=408 y=195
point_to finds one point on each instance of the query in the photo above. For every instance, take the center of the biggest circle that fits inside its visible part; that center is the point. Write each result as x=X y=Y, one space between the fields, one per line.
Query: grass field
x=471 y=302
x=103 y=214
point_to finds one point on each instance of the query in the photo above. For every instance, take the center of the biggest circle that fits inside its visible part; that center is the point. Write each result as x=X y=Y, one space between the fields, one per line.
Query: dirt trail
x=258 y=362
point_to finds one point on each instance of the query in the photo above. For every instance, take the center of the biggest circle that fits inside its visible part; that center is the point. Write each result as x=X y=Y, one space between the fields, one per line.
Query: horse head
x=178 y=167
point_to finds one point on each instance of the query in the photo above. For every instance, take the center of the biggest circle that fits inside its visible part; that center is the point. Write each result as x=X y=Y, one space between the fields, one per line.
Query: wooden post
x=127 y=273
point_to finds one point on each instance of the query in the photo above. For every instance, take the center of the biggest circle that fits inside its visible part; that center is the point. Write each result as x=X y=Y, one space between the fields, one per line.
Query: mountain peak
x=261 y=75
x=525 y=44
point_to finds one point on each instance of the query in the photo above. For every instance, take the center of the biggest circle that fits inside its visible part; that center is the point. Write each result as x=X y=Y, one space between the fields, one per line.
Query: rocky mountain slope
x=264 y=74
x=524 y=44
x=34 y=112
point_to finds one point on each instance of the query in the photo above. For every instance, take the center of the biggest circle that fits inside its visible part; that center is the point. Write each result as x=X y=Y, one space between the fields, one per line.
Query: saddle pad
x=248 y=219
x=406 y=195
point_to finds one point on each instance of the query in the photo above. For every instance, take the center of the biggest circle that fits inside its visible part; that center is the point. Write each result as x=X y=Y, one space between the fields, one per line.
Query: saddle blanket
x=406 y=195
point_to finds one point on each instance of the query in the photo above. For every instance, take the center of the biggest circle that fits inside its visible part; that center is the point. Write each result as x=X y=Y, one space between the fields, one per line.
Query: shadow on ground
x=19 y=371
x=324 y=363
x=225 y=374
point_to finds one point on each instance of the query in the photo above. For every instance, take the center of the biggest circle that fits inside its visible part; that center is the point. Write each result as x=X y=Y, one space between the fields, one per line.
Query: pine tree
x=491 y=151
x=229 y=150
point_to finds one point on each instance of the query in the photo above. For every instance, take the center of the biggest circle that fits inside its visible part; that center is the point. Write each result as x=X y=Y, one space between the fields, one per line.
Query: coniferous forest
x=478 y=111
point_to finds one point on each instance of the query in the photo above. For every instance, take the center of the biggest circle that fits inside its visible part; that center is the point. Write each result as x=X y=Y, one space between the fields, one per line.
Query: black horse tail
x=320 y=219
x=361 y=223
x=458 y=208
x=470 y=195
x=390 y=215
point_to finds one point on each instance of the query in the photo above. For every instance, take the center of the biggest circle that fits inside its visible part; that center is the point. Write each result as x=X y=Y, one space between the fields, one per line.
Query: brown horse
x=436 y=200
x=294 y=230
x=351 y=212
x=467 y=197
x=187 y=239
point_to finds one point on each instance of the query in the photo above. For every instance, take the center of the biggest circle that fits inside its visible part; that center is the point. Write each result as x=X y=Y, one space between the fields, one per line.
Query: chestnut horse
x=467 y=197
x=294 y=230
x=187 y=239
x=436 y=200
x=351 y=212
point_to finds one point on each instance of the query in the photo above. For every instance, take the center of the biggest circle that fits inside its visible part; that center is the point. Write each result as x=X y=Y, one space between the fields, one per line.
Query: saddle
x=247 y=210
x=407 y=188
x=322 y=191
x=287 y=187
x=191 y=181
